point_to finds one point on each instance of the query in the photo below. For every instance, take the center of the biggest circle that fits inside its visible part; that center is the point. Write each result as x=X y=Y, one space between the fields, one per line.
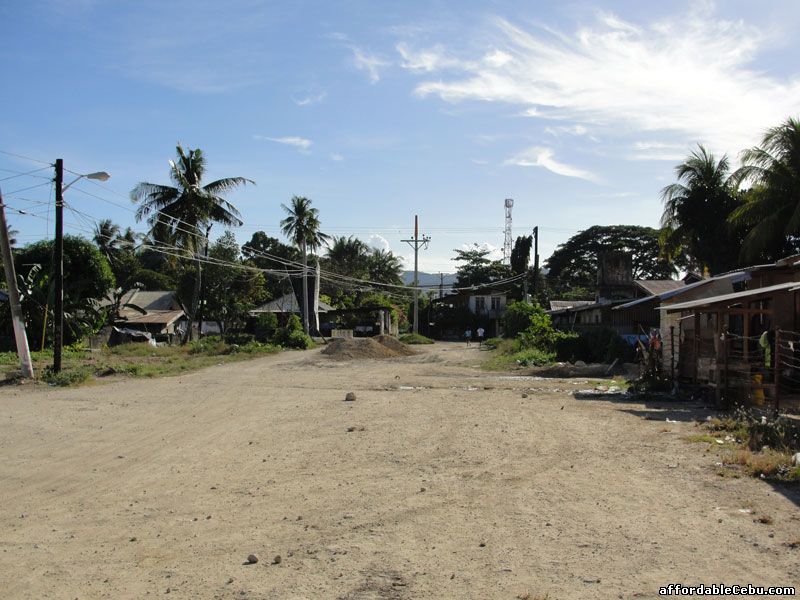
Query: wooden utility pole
x=535 y=258
x=416 y=244
x=58 y=259
x=20 y=336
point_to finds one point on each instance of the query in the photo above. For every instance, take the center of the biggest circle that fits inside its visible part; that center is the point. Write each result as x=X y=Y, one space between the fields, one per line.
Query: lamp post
x=58 y=258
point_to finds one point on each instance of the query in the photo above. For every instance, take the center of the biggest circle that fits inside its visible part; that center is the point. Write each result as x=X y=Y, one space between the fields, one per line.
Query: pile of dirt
x=378 y=347
x=393 y=343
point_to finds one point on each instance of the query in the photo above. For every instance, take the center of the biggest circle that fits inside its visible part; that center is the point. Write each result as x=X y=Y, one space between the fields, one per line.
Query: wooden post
x=696 y=345
x=672 y=351
x=776 y=358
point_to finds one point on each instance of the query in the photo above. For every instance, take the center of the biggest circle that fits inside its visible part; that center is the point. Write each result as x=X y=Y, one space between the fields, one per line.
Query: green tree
x=184 y=212
x=302 y=227
x=572 y=268
x=270 y=253
x=383 y=266
x=696 y=210
x=348 y=256
x=87 y=280
x=771 y=211
x=477 y=269
x=230 y=292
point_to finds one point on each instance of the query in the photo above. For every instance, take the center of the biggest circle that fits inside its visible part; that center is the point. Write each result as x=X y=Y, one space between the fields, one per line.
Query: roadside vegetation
x=415 y=338
x=751 y=444
x=80 y=365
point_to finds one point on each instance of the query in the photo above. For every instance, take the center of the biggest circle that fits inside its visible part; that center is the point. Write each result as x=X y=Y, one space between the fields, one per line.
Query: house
x=486 y=305
x=164 y=316
x=287 y=304
x=621 y=302
x=741 y=342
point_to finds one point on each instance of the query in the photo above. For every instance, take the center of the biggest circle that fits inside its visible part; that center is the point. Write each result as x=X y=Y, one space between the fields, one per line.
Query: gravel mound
x=393 y=343
x=383 y=346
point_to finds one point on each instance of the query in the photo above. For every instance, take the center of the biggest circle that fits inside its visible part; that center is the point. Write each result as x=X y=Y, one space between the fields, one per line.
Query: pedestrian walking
x=468 y=336
x=481 y=331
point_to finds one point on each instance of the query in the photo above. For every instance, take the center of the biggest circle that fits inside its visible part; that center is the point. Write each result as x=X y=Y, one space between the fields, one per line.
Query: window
x=495 y=302
x=480 y=304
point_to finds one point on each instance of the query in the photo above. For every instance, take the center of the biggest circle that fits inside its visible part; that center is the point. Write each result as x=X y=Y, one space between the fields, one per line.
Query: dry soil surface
x=439 y=481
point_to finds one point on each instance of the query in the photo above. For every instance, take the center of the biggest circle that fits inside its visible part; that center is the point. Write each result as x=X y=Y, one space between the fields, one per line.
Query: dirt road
x=439 y=481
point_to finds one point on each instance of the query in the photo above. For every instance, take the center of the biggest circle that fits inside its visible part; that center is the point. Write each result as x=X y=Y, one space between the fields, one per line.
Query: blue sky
x=381 y=110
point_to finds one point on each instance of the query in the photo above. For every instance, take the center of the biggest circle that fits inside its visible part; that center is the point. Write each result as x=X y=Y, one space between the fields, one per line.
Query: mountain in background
x=428 y=278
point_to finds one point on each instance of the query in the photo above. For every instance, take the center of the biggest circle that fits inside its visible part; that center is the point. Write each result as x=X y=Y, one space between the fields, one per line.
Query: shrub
x=493 y=343
x=292 y=338
x=533 y=357
x=67 y=377
x=520 y=316
x=294 y=324
x=211 y=344
x=415 y=338
x=265 y=326
x=239 y=339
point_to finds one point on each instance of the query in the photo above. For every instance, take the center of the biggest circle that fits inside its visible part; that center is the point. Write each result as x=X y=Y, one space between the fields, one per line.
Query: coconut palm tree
x=106 y=236
x=695 y=215
x=183 y=212
x=348 y=256
x=385 y=267
x=771 y=212
x=301 y=226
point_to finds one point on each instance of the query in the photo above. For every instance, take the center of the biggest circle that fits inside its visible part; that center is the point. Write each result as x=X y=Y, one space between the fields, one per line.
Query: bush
x=294 y=324
x=493 y=343
x=240 y=339
x=211 y=344
x=265 y=327
x=520 y=316
x=533 y=357
x=67 y=377
x=415 y=338
x=292 y=338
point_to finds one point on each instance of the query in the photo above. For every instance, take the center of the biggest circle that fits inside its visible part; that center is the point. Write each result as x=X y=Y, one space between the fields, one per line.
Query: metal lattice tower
x=509 y=242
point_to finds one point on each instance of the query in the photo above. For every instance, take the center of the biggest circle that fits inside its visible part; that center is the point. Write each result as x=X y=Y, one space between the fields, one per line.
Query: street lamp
x=58 y=308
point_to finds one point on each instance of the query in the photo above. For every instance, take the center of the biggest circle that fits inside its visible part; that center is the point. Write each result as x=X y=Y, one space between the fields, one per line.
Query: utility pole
x=13 y=297
x=58 y=259
x=535 y=258
x=416 y=244
x=441 y=285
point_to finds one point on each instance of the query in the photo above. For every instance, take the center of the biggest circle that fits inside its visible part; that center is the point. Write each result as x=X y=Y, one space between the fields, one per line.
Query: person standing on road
x=468 y=336
x=481 y=331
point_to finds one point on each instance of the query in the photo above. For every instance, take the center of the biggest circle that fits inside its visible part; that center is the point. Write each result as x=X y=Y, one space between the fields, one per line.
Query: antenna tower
x=508 y=243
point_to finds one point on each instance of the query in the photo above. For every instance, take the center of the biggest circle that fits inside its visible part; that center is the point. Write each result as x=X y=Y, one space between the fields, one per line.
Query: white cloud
x=371 y=63
x=495 y=252
x=427 y=60
x=691 y=76
x=543 y=157
x=479 y=161
x=335 y=156
x=300 y=143
x=310 y=99
x=570 y=129
x=378 y=242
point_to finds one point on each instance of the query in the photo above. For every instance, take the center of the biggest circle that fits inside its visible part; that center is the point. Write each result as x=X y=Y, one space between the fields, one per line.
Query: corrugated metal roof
x=286 y=304
x=153 y=317
x=658 y=286
x=730 y=298
x=562 y=304
x=734 y=277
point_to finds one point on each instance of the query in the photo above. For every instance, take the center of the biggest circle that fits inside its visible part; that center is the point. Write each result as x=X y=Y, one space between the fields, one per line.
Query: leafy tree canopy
x=477 y=269
x=574 y=263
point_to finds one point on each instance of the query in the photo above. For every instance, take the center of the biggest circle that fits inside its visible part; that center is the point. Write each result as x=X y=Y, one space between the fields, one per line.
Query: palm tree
x=385 y=267
x=301 y=226
x=772 y=210
x=348 y=256
x=106 y=236
x=695 y=215
x=184 y=211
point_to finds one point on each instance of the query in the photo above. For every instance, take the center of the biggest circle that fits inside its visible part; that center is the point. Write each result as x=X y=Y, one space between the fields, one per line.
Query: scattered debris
x=277 y=559
x=350 y=397
x=251 y=559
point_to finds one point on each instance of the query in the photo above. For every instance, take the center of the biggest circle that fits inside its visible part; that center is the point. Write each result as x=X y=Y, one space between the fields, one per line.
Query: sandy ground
x=451 y=485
